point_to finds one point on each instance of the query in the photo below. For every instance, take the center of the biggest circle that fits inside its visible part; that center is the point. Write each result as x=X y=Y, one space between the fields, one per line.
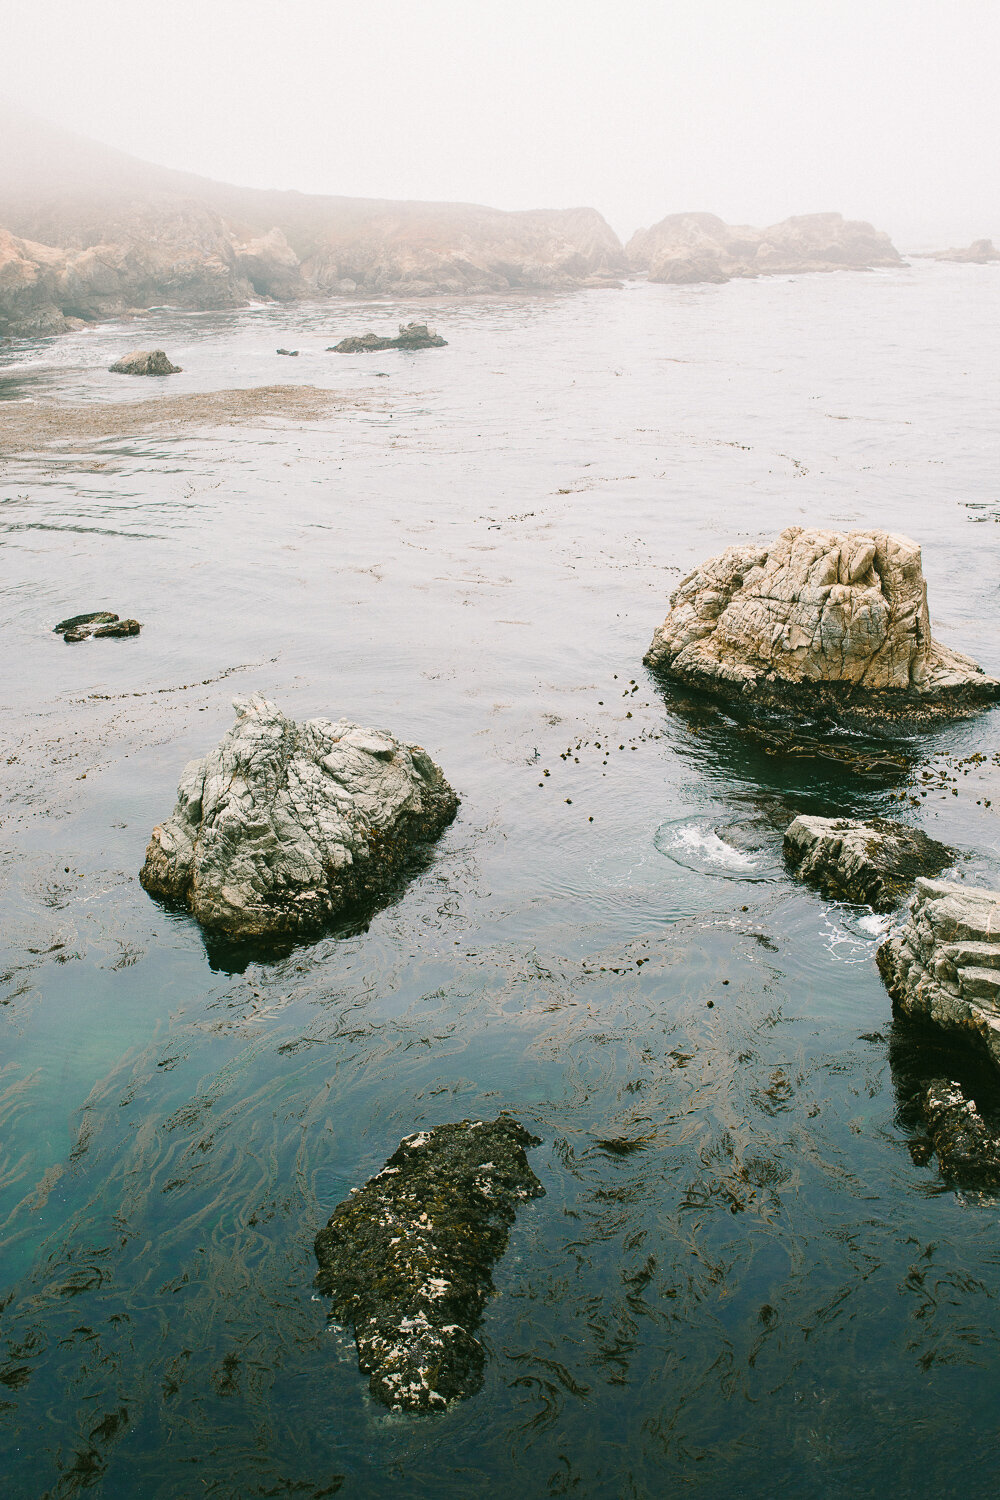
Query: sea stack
x=823 y=622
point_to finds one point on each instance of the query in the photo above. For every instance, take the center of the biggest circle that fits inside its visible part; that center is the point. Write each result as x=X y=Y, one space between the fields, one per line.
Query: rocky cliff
x=89 y=232
x=685 y=248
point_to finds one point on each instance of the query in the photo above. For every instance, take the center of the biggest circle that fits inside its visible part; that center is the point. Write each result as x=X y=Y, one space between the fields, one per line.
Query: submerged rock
x=968 y=1151
x=282 y=825
x=943 y=963
x=411 y=336
x=408 y=1258
x=144 y=362
x=821 y=621
x=873 y=861
x=98 y=622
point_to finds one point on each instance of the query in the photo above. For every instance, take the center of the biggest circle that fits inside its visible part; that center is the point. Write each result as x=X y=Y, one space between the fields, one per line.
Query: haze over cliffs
x=89 y=232
x=700 y=247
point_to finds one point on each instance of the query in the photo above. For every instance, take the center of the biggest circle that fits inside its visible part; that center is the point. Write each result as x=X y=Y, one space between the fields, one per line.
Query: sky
x=886 y=110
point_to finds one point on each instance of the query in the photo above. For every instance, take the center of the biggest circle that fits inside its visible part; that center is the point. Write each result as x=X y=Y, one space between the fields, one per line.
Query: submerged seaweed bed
x=746 y=1274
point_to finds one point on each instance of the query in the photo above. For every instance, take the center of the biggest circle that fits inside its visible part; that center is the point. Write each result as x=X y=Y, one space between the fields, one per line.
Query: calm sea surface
x=768 y=1295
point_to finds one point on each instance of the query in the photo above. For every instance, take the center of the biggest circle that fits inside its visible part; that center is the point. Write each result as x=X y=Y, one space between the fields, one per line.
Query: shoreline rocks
x=822 y=622
x=100 y=622
x=407 y=1259
x=871 y=862
x=283 y=825
x=411 y=336
x=943 y=963
x=979 y=253
x=144 y=362
x=688 y=248
x=968 y=1151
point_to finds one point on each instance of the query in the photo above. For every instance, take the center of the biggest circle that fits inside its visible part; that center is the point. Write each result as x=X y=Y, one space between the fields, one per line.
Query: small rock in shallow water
x=282 y=825
x=292 y=353
x=408 y=1258
x=943 y=963
x=411 y=336
x=872 y=861
x=99 y=622
x=968 y=1152
x=144 y=362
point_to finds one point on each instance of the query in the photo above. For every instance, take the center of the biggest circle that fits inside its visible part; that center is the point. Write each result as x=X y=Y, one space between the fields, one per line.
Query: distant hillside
x=92 y=232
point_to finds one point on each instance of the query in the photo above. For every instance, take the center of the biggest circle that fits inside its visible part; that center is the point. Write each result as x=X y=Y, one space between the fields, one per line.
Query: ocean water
x=768 y=1294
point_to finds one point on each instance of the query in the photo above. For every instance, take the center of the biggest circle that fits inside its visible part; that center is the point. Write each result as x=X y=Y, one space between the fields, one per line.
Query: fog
x=753 y=109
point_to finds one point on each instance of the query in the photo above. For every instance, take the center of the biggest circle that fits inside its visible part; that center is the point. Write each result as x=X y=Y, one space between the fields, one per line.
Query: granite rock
x=827 y=622
x=968 y=1151
x=283 y=825
x=693 y=247
x=873 y=861
x=407 y=1259
x=144 y=362
x=943 y=963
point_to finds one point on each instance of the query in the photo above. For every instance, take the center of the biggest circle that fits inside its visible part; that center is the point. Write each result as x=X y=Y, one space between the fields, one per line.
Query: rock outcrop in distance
x=408 y=1258
x=943 y=963
x=695 y=247
x=411 y=336
x=979 y=253
x=825 y=622
x=144 y=362
x=99 y=622
x=283 y=825
x=89 y=233
x=872 y=861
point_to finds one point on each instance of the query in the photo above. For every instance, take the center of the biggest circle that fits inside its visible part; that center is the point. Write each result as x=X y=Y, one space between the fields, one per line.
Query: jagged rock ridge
x=873 y=861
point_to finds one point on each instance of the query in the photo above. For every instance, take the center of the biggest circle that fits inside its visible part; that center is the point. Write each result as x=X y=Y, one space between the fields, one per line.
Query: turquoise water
x=769 y=1295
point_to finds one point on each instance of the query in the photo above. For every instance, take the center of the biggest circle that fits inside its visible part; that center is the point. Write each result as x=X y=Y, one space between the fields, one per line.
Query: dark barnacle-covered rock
x=872 y=860
x=967 y=1150
x=144 y=362
x=98 y=622
x=283 y=825
x=411 y=336
x=407 y=1259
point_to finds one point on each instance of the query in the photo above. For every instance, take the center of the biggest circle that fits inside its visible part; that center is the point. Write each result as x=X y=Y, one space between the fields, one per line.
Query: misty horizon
x=879 y=116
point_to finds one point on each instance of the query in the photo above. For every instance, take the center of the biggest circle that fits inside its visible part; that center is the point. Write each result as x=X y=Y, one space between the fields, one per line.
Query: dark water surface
x=767 y=1295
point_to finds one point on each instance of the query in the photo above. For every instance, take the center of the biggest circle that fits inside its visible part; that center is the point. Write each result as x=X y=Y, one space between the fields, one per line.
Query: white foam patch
x=695 y=840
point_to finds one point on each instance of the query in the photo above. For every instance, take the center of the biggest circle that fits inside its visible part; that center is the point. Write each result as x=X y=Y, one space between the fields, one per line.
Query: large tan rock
x=820 y=620
x=701 y=247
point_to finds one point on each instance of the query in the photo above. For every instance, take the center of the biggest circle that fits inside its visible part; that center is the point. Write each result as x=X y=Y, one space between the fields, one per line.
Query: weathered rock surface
x=822 y=621
x=873 y=861
x=408 y=1258
x=411 y=336
x=144 y=362
x=979 y=253
x=99 y=622
x=968 y=1151
x=943 y=963
x=282 y=825
x=93 y=233
x=701 y=247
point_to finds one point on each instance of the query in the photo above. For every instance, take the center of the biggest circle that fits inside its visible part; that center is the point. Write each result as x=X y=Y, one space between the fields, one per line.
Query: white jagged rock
x=826 y=621
x=943 y=964
x=282 y=824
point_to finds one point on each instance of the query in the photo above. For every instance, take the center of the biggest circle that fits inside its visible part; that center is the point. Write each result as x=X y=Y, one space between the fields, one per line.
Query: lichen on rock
x=821 y=621
x=943 y=963
x=874 y=860
x=407 y=1259
x=283 y=825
